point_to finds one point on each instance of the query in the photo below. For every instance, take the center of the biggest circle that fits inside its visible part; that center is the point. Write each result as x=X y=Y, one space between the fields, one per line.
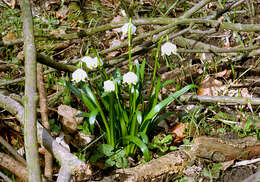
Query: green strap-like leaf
x=92 y=119
x=85 y=100
x=159 y=119
x=140 y=144
x=144 y=137
x=89 y=92
x=156 y=109
x=139 y=116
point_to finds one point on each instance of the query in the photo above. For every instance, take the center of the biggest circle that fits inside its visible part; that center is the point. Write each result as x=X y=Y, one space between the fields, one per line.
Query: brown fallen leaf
x=13 y=2
x=178 y=133
x=69 y=120
x=210 y=86
x=9 y=36
x=223 y=74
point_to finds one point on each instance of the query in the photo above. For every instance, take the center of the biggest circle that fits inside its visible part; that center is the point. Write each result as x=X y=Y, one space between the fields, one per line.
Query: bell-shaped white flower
x=130 y=78
x=168 y=48
x=109 y=86
x=124 y=29
x=79 y=75
x=91 y=63
x=86 y=59
x=99 y=61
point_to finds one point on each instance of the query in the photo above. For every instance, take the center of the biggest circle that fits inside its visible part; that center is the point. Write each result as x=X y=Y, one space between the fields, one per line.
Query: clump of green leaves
x=164 y=144
x=112 y=157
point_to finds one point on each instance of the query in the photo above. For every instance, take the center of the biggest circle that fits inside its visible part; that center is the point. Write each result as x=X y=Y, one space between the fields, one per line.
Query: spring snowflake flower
x=130 y=78
x=86 y=59
x=109 y=86
x=124 y=29
x=168 y=48
x=79 y=75
x=99 y=62
x=92 y=63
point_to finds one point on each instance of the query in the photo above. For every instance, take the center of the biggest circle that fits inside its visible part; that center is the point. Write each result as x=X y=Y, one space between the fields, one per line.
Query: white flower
x=109 y=86
x=124 y=29
x=86 y=59
x=129 y=78
x=79 y=75
x=92 y=62
x=99 y=62
x=168 y=48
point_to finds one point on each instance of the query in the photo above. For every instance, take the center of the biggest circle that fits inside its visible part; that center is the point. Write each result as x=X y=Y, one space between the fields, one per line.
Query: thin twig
x=45 y=121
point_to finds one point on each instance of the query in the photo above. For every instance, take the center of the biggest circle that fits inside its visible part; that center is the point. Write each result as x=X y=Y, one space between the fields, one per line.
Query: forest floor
x=216 y=126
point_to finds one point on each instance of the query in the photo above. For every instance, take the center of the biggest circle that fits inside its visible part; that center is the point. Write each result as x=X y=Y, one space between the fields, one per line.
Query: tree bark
x=30 y=98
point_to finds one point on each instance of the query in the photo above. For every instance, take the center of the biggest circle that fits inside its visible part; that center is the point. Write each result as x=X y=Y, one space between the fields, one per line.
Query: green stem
x=129 y=45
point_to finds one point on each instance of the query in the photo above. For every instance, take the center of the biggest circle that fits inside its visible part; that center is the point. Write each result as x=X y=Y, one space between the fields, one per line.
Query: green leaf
x=121 y=162
x=159 y=119
x=144 y=137
x=167 y=82
x=76 y=91
x=140 y=144
x=139 y=116
x=84 y=114
x=109 y=162
x=157 y=89
x=97 y=155
x=89 y=92
x=156 y=109
x=92 y=119
x=142 y=70
x=106 y=149
x=167 y=139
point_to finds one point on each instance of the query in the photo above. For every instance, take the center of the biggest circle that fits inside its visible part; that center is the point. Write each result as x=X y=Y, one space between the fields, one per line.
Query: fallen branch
x=16 y=155
x=220 y=99
x=46 y=60
x=75 y=166
x=13 y=166
x=172 y=164
x=5 y=177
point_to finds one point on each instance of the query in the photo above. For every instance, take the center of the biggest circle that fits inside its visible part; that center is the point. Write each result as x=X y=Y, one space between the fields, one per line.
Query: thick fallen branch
x=18 y=80
x=46 y=60
x=2 y=175
x=13 y=166
x=172 y=164
x=12 y=151
x=75 y=166
x=220 y=99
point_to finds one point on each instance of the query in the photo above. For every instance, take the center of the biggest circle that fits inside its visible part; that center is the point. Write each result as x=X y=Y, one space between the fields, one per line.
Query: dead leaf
x=69 y=120
x=9 y=36
x=13 y=2
x=223 y=74
x=210 y=86
x=81 y=140
x=20 y=55
x=178 y=133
